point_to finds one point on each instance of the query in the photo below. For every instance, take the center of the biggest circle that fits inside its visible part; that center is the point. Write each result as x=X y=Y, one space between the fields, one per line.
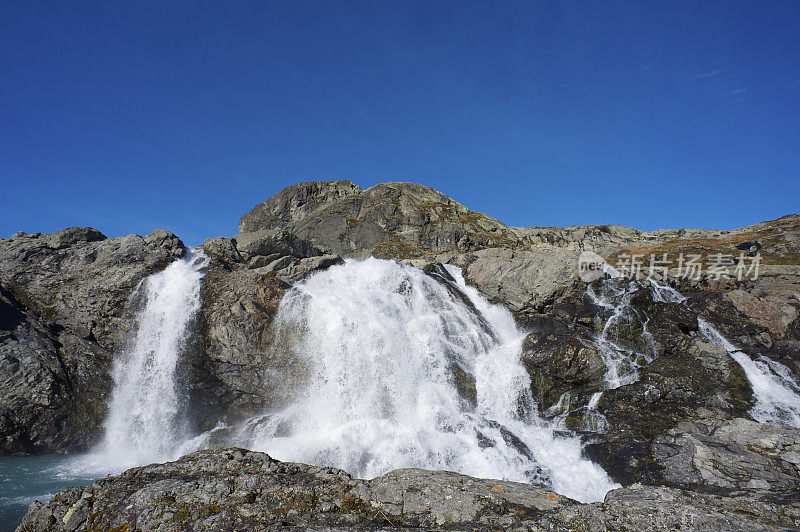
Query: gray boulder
x=525 y=281
x=738 y=454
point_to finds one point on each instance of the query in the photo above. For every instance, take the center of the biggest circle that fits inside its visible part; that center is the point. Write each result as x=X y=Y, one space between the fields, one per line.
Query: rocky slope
x=683 y=427
x=233 y=489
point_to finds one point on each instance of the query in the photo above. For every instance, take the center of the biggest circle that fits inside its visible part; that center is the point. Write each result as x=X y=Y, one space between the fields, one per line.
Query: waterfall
x=144 y=421
x=410 y=369
x=776 y=391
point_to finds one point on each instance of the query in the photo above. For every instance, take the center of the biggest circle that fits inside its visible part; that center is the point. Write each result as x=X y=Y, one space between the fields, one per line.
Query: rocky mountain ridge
x=684 y=424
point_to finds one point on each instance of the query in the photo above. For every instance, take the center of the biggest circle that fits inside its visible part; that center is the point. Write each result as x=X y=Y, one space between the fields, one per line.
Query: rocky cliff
x=679 y=420
x=62 y=318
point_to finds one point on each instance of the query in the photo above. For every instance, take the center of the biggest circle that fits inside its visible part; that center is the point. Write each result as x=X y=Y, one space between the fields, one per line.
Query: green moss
x=739 y=385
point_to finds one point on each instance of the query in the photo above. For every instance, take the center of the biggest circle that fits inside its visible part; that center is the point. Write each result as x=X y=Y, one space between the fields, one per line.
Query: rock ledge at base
x=235 y=489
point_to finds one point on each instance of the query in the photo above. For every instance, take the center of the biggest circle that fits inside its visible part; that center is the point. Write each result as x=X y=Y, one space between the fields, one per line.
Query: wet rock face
x=688 y=380
x=663 y=428
x=758 y=320
x=62 y=315
x=560 y=359
x=234 y=370
x=233 y=489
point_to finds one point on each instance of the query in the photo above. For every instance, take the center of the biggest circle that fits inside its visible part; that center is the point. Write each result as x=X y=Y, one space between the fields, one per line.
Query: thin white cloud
x=708 y=74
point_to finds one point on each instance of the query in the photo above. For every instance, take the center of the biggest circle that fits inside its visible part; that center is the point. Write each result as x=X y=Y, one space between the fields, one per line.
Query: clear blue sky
x=131 y=116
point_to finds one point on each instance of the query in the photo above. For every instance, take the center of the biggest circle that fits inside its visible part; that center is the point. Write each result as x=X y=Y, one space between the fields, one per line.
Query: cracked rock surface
x=234 y=489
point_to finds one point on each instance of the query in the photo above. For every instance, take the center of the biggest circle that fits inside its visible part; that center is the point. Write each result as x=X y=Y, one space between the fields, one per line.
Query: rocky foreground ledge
x=235 y=489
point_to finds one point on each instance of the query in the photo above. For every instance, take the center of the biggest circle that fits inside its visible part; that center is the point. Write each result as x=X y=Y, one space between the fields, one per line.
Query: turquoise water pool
x=24 y=479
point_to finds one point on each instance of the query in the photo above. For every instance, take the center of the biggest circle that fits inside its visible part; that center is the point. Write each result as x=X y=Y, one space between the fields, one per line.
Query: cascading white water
x=143 y=423
x=387 y=348
x=664 y=293
x=621 y=362
x=776 y=392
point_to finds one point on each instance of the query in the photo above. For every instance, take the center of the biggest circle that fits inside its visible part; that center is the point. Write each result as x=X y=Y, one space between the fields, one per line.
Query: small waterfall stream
x=144 y=421
x=776 y=390
x=622 y=362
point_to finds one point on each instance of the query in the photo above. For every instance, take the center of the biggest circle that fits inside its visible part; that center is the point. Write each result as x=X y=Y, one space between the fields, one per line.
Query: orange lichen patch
x=552 y=496
x=396 y=249
x=498 y=488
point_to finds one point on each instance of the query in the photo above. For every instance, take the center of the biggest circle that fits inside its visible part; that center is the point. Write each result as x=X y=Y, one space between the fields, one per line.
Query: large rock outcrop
x=387 y=219
x=62 y=316
x=233 y=489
